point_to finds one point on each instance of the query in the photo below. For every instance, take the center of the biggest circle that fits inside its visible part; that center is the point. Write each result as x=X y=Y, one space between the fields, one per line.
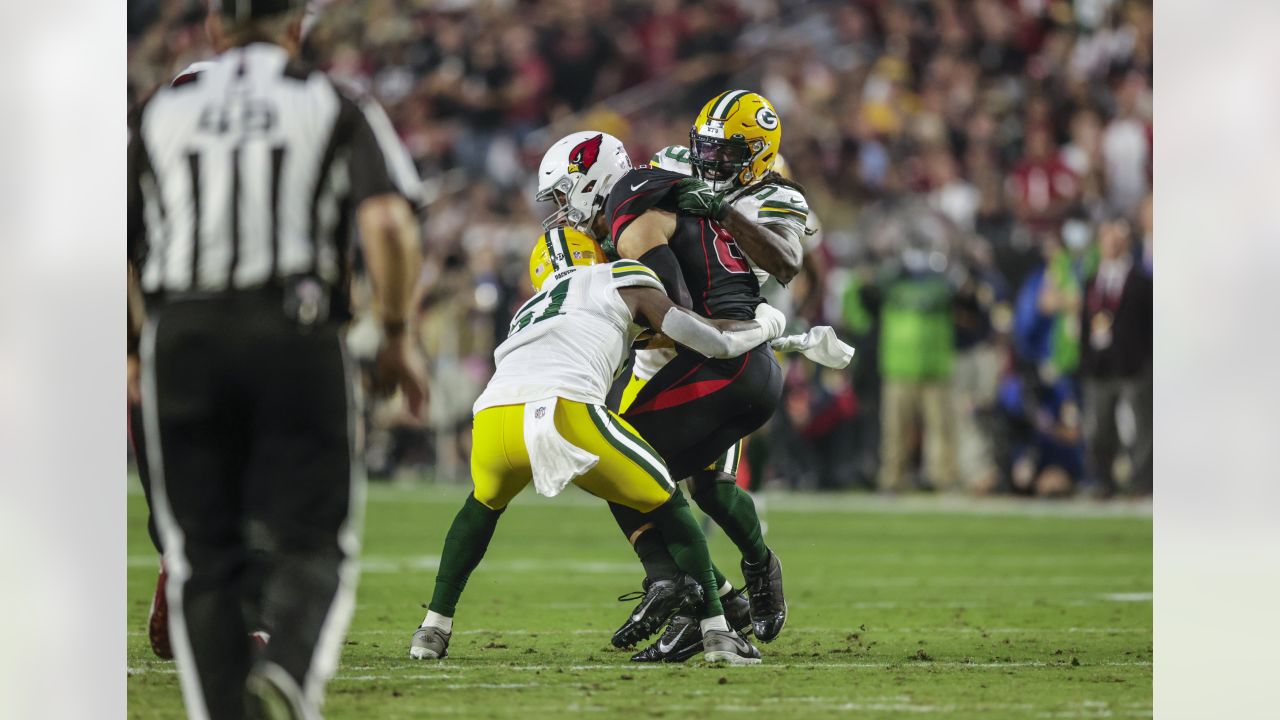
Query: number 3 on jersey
x=727 y=251
x=528 y=313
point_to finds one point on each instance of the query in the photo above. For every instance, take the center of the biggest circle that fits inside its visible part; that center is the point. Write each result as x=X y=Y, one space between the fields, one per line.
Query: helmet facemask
x=566 y=213
x=721 y=163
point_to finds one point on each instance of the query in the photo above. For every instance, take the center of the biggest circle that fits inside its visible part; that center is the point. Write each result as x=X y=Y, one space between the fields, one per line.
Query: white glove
x=771 y=320
x=820 y=345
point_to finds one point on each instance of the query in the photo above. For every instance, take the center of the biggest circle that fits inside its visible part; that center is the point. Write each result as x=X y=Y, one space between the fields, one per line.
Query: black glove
x=695 y=197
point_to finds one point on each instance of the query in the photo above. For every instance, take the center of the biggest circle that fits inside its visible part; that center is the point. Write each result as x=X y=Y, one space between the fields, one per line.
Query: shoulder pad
x=630 y=273
x=674 y=158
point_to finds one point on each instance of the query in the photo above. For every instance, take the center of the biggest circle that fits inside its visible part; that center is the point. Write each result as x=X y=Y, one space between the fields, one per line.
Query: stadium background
x=976 y=152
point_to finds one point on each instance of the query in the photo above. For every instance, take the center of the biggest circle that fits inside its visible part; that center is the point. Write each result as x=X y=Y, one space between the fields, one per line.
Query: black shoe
x=727 y=646
x=768 y=606
x=737 y=611
x=681 y=641
x=659 y=602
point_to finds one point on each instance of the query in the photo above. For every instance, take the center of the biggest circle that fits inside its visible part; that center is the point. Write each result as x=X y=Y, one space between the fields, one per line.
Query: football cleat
x=737 y=611
x=429 y=643
x=768 y=606
x=158 y=619
x=727 y=646
x=681 y=641
x=659 y=602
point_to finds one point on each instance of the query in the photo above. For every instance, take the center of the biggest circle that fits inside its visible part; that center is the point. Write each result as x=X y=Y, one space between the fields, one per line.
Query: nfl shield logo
x=539 y=413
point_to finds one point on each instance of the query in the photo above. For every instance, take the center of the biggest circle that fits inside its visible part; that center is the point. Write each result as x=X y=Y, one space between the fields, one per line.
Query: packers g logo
x=766 y=118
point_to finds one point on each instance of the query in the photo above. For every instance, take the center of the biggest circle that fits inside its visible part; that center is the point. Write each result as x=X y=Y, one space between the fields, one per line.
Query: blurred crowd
x=981 y=169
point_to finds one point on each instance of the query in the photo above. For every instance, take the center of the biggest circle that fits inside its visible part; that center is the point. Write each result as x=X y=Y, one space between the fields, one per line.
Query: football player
x=773 y=199
x=542 y=416
x=696 y=410
x=726 y=400
x=715 y=238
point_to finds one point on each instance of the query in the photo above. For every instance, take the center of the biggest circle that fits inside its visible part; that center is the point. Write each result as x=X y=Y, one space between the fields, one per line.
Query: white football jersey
x=570 y=339
x=768 y=204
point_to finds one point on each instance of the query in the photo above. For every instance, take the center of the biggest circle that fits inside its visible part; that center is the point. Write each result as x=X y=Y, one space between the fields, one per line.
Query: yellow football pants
x=629 y=473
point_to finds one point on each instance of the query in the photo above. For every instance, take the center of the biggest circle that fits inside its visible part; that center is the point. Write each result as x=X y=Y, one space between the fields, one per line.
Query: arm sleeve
x=695 y=333
x=662 y=261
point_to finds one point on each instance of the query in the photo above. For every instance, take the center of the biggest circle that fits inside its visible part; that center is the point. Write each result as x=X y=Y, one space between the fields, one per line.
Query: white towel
x=820 y=345
x=555 y=461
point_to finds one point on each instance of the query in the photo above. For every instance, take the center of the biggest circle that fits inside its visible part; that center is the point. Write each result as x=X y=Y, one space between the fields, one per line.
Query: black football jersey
x=716 y=272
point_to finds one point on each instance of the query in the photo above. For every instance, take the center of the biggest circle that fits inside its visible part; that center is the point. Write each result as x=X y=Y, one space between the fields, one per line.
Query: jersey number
x=727 y=251
x=528 y=313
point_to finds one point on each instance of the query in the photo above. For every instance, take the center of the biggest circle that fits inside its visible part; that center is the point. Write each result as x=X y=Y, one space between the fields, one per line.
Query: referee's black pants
x=250 y=422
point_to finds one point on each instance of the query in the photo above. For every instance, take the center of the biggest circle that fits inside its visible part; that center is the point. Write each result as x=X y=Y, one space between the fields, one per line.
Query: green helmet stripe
x=726 y=101
x=564 y=246
x=551 y=250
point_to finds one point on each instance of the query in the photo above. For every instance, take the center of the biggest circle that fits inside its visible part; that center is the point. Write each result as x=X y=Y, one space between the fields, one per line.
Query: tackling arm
x=713 y=338
x=774 y=247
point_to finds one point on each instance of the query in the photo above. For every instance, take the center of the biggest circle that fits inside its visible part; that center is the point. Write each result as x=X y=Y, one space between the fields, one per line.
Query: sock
x=726 y=589
x=688 y=547
x=721 y=580
x=464 y=548
x=436 y=620
x=714 y=623
x=733 y=510
x=648 y=545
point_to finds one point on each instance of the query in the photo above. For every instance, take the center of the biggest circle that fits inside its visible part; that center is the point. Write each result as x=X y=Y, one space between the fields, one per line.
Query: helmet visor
x=717 y=160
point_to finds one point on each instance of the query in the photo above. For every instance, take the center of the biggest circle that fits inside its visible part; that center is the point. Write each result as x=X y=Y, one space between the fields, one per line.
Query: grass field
x=910 y=608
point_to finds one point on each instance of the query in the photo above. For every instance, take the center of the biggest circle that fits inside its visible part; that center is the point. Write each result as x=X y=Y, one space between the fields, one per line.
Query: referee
x=243 y=183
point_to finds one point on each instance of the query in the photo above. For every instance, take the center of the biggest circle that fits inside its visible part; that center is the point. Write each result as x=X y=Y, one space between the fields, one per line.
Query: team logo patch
x=584 y=154
x=540 y=413
x=766 y=118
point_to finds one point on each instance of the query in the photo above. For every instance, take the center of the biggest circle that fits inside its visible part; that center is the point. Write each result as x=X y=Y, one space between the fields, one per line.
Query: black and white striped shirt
x=248 y=174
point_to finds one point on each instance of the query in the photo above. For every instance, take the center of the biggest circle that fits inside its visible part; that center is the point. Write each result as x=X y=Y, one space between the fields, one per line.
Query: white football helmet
x=577 y=174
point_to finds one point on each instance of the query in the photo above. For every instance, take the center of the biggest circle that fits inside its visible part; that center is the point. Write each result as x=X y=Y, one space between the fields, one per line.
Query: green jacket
x=917 y=332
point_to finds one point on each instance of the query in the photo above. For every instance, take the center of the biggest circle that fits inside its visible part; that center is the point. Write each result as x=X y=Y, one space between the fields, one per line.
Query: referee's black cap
x=241 y=11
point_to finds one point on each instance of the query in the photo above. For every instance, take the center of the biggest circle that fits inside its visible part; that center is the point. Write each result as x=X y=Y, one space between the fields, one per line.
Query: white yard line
x=870 y=633
x=160 y=667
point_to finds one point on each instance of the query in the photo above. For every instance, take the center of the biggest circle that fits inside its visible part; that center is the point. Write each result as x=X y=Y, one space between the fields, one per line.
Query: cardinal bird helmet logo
x=584 y=154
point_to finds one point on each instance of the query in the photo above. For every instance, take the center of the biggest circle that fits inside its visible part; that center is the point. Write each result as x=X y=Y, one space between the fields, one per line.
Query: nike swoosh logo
x=665 y=648
x=640 y=612
x=637 y=187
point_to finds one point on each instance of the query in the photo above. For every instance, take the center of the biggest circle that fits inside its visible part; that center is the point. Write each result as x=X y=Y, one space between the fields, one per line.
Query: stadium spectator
x=1042 y=187
x=1116 y=359
x=1046 y=456
x=979 y=308
x=1126 y=147
x=916 y=356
